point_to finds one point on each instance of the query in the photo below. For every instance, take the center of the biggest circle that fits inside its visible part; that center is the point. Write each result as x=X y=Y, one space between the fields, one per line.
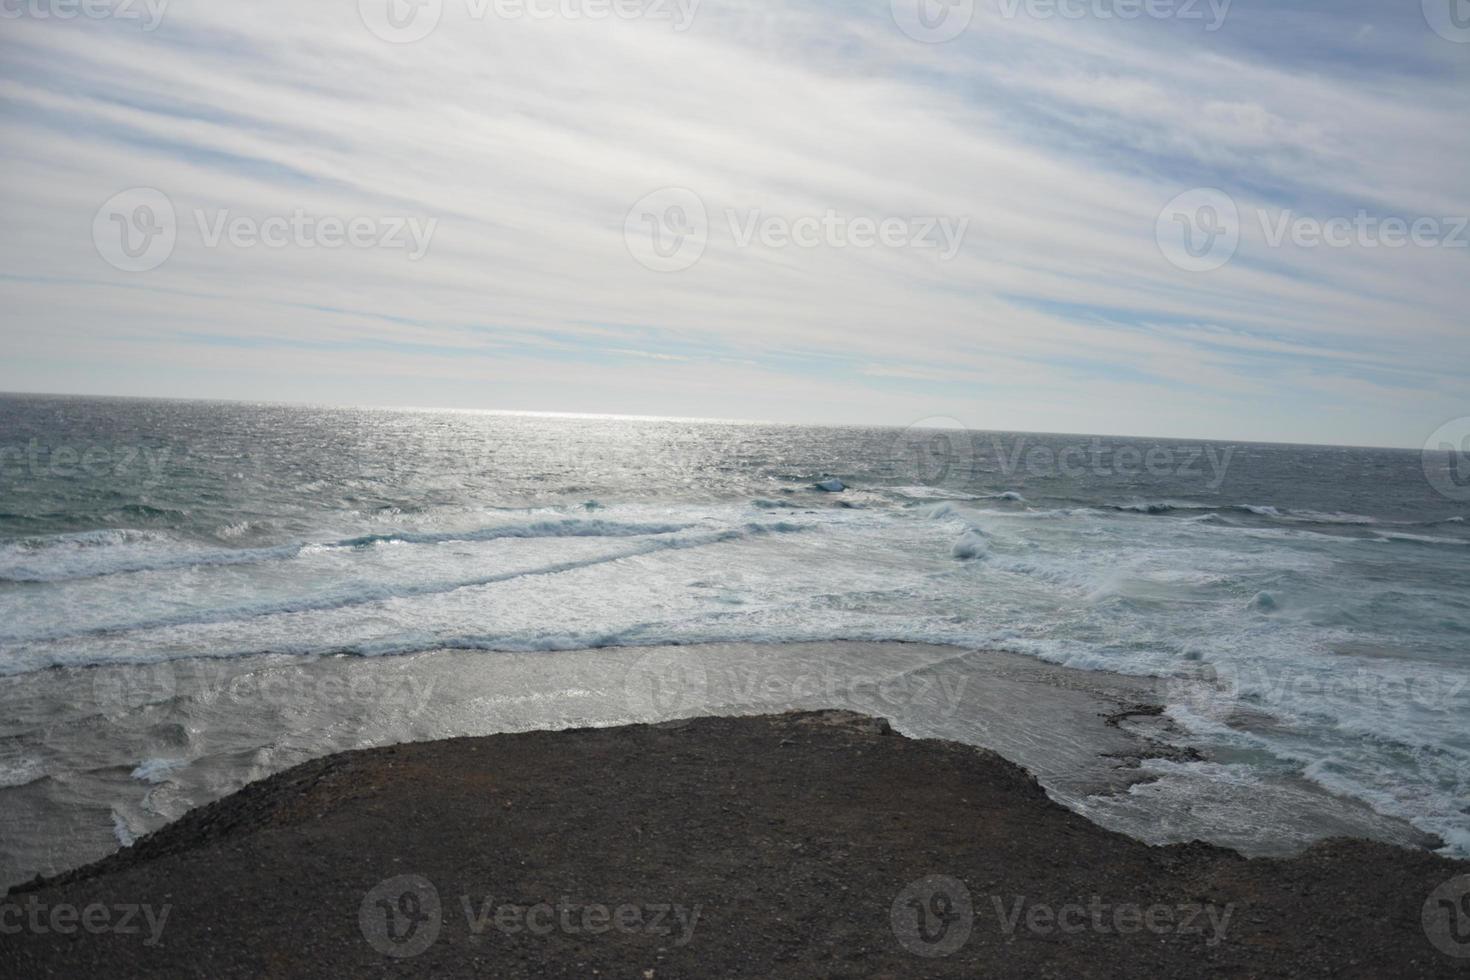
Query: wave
x=157 y=770
x=1419 y=538
x=970 y=545
x=59 y=558
x=1158 y=506
x=1173 y=506
x=122 y=831
x=1272 y=513
x=362 y=596
x=21 y=773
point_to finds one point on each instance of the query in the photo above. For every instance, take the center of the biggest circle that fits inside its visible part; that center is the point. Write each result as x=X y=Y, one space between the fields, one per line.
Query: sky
x=1191 y=218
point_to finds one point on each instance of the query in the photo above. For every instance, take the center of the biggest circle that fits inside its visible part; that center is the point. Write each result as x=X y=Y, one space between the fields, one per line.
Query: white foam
x=1088 y=589
x=122 y=831
x=157 y=770
x=970 y=545
x=21 y=772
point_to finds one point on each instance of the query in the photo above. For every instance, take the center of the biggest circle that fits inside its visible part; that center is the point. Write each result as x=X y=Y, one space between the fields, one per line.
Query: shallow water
x=1306 y=607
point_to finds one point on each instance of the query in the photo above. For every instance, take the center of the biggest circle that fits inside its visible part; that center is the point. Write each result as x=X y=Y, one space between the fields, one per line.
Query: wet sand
x=133 y=748
x=816 y=844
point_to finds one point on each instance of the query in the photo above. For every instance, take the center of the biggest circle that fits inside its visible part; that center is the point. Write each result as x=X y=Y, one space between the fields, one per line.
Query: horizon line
x=702 y=420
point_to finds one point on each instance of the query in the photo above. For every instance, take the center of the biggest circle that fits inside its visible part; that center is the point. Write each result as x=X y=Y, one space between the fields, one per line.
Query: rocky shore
x=797 y=845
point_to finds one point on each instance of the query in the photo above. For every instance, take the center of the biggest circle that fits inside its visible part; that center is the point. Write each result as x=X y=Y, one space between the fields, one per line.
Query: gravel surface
x=799 y=845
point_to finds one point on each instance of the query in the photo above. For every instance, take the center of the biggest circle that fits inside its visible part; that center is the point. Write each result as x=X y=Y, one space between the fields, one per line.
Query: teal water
x=1307 y=607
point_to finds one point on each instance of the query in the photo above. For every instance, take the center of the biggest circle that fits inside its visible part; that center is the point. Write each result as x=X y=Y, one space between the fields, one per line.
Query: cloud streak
x=527 y=142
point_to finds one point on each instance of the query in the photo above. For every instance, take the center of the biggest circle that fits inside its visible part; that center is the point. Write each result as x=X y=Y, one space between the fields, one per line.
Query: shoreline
x=204 y=728
x=798 y=844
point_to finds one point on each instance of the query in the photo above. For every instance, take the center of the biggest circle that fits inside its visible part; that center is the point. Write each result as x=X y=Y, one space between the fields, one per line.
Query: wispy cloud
x=527 y=141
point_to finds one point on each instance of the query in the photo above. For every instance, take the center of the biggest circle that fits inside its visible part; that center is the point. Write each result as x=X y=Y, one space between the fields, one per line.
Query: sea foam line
x=366 y=596
x=20 y=572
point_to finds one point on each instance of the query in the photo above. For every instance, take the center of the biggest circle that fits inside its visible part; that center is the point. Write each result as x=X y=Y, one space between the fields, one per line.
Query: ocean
x=195 y=594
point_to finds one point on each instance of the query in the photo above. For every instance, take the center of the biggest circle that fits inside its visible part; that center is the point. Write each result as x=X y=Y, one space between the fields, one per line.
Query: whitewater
x=1300 y=612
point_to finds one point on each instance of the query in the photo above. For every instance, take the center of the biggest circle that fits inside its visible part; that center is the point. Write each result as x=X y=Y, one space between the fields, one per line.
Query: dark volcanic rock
x=799 y=845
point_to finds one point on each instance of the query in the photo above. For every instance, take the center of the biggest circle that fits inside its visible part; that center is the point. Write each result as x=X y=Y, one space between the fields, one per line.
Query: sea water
x=1305 y=608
